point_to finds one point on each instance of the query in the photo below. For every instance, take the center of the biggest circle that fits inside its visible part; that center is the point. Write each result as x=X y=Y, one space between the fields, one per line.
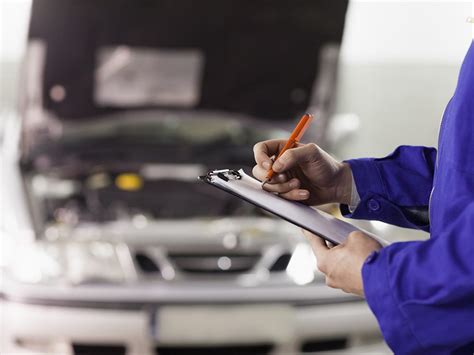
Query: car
x=111 y=243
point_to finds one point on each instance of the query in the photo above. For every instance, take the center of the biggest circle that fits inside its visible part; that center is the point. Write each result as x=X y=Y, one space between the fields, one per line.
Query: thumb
x=318 y=245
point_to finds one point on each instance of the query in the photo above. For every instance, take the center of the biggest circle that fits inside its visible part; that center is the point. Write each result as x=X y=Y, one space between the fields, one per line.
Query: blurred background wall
x=13 y=28
x=399 y=66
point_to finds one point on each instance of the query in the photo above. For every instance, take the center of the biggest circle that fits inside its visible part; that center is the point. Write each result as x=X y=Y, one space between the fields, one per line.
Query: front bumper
x=142 y=319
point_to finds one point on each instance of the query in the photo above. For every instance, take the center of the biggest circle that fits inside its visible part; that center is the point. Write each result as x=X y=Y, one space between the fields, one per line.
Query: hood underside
x=253 y=57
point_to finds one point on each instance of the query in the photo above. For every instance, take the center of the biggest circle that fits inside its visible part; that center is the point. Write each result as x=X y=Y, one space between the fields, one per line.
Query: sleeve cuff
x=367 y=177
x=366 y=182
x=355 y=198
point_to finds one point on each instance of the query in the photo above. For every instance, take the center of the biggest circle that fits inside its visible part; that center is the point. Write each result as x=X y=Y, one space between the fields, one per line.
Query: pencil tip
x=264 y=182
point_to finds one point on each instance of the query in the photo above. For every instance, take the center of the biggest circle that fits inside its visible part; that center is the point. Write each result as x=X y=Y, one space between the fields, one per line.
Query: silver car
x=114 y=245
x=110 y=244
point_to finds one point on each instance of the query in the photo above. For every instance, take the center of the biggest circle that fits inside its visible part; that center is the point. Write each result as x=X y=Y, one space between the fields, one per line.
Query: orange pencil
x=298 y=132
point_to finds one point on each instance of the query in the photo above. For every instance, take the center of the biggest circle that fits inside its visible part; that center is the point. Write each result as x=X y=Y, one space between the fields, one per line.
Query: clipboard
x=324 y=225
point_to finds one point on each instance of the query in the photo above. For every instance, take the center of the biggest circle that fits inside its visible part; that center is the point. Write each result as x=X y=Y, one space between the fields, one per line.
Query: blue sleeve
x=395 y=189
x=423 y=292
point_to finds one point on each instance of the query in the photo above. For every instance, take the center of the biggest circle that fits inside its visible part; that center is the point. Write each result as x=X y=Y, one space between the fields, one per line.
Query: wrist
x=344 y=186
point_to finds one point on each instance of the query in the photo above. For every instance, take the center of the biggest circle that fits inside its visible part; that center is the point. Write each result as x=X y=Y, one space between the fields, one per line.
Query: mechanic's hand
x=342 y=264
x=305 y=173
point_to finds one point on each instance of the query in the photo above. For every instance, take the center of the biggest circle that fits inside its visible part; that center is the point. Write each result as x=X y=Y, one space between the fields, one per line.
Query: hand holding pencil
x=295 y=137
x=302 y=172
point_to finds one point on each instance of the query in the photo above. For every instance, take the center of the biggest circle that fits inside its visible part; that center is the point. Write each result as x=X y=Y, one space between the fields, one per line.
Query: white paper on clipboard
x=316 y=221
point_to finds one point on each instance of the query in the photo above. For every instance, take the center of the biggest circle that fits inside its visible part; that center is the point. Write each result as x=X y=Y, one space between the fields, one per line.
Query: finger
x=280 y=178
x=296 y=195
x=359 y=239
x=318 y=245
x=283 y=187
x=261 y=174
x=294 y=156
x=263 y=151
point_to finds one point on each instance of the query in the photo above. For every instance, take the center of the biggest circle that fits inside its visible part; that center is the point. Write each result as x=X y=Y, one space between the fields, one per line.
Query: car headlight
x=72 y=262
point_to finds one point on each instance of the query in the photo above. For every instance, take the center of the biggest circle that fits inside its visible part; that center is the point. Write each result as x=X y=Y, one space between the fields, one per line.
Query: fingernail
x=277 y=166
x=266 y=165
x=303 y=193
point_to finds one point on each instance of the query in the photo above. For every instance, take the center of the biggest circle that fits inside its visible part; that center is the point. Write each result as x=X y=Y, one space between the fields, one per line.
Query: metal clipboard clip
x=224 y=174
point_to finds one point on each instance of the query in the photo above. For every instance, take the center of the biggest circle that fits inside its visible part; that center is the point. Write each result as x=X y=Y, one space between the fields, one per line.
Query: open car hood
x=261 y=59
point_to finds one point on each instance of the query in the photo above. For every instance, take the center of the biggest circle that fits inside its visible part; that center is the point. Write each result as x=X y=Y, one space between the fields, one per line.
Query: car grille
x=313 y=346
x=98 y=349
x=214 y=263
x=215 y=350
x=146 y=264
x=208 y=263
x=281 y=263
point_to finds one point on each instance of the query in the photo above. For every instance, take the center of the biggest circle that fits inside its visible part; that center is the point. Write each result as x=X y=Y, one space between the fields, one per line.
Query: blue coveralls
x=422 y=292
